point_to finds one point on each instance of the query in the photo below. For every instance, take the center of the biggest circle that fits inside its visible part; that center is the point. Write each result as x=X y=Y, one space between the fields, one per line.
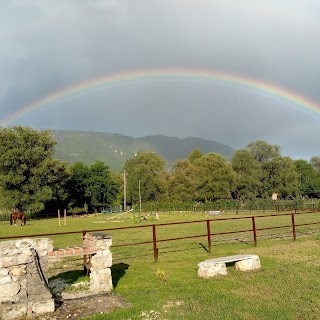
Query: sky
x=231 y=71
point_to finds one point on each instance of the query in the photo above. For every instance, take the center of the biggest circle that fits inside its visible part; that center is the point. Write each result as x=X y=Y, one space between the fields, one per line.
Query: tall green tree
x=182 y=182
x=309 y=180
x=91 y=185
x=248 y=175
x=28 y=173
x=315 y=161
x=283 y=177
x=195 y=154
x=263 y=151
x=148 y=169
x=215 y=177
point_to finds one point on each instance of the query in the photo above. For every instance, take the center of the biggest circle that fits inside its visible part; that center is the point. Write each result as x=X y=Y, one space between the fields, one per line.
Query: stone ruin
x=24 y=264
x=22 y=291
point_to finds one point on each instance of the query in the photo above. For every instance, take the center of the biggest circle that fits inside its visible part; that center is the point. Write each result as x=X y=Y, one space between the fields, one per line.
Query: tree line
x=32 y=180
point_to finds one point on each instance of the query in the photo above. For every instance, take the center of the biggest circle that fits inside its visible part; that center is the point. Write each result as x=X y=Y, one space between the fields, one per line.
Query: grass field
x=286 y=287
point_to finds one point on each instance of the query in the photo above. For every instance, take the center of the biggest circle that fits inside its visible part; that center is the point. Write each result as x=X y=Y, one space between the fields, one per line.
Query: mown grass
x=287 y=286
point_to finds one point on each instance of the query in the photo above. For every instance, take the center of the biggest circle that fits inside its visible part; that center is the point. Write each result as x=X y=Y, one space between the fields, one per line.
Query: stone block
x=24 y=243
x=10 y=311
x=8 y=248
x=41 y=307
x=4 y=280
x=10 y=261
x=4 y=272
x=208 y=269
x=9 y=290
x=100 y=280
x=102 y=259
x=37 y=291
x=248 y=264
x=43 y=244
x=17 y=271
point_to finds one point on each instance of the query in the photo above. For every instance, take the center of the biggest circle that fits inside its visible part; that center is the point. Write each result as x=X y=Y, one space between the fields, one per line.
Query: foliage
x=91 y=186
x=28 y=173
x=248 y=174
x=195 y=154
x=215 y=177
x=309 y=180
x=146 y=170
x=182 y=182
x=263 y=151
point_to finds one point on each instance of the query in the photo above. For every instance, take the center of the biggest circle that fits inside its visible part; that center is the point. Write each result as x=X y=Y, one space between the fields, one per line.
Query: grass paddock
x=286 y=287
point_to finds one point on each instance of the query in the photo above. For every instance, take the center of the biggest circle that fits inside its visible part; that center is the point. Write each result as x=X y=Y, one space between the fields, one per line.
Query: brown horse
x=18 y=215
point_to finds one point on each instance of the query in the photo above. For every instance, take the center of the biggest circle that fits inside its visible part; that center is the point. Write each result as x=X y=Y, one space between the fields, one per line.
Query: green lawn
x=287 y=286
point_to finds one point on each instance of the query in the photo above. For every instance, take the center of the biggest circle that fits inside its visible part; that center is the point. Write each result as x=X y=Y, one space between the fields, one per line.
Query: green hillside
x=115 y=149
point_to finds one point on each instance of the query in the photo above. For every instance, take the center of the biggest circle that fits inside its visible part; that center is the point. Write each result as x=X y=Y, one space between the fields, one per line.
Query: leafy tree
x=284 y=180
x=309 y=181
x=248 y=175
x=315 y=161
x=148 y=168
x=182 y=183
x=195 y=154
x=92 y=185
x=102 y=189
x=28 y=173
x=263 y=151
x=215 y=177
x=77 y=185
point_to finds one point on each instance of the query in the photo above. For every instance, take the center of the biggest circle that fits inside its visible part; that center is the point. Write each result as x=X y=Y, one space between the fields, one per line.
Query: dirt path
x=84 y=307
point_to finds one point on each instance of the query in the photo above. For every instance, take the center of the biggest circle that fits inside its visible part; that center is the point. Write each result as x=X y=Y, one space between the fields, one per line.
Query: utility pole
x=124 y=191
x=139 y=197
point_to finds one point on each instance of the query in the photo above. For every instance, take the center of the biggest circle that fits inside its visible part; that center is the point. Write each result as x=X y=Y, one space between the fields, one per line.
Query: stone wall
x=22 y=290
x=23 y=285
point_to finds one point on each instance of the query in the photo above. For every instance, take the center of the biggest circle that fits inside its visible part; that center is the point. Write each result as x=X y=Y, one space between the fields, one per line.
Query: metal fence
x=209 y=235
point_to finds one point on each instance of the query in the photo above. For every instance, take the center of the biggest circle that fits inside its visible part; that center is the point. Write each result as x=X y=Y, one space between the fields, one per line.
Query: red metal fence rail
x=208 y=234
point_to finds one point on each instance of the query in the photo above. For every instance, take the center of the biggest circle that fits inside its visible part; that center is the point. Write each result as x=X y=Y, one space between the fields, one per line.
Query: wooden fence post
x=209 y=235
x=154 y=238
x=254 y=231
x=293 y=227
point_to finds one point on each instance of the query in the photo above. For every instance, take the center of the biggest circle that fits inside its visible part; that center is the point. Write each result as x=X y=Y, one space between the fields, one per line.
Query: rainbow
x=151 y=74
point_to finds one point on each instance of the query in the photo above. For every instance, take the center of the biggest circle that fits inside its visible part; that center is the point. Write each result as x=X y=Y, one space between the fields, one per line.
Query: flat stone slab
x=234 y=258
x=217 y=266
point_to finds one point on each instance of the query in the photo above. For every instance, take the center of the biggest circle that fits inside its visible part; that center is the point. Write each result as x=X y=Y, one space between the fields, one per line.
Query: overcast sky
x=47 y=46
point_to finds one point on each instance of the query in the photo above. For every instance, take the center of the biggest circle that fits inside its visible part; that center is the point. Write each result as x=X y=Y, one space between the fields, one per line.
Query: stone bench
x=212 y=267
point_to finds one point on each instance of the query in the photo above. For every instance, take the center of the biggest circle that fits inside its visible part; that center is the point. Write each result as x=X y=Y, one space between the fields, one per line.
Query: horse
x=18 y=215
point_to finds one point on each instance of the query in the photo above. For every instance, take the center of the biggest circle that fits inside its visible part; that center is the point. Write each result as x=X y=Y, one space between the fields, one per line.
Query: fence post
x=65 y=217
x=209 y=235
x=154 y=238
x=254 y=231
x=293 y=227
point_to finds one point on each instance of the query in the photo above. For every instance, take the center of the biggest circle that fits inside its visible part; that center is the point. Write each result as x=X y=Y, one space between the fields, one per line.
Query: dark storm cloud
x=49 y=45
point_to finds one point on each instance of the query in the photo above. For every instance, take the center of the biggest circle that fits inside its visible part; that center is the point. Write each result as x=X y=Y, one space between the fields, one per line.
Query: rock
x=102 y=259
x=9 y=290
x=12 y=311
x=208 y=269
x=100 y=280
x=248 y=264
x=43 y=306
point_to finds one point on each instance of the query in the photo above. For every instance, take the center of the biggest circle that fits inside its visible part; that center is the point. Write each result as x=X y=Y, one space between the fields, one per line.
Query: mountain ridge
x=114 y=148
